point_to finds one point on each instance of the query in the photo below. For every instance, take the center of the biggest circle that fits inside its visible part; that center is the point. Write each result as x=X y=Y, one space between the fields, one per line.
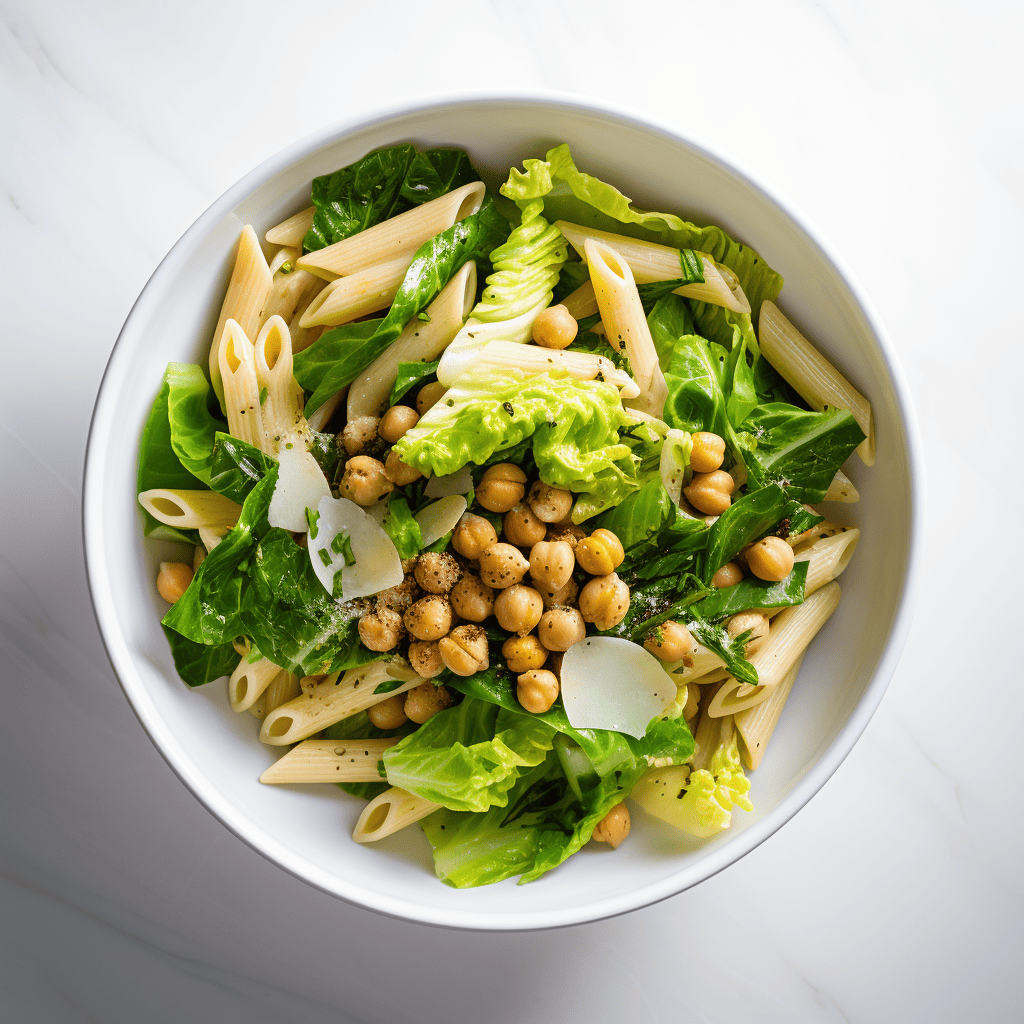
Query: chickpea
x=707 y=453
x=755 y=622
x=600 y=553
x=523 y=653
x=425 y=658
x=397 y=422
x=569 y=532
x=537 y=690
x=518 y=608
x=464 y=650
x=501 y=487
x=429 y=618
x=381 y=630
x=398 y=472
x=173 y=579
x=771 y=558
x=729 y=575
x=429 y=396
x=551 y=565
x=560 y=628
x=473 y=534
x=437 y=572
x=359 y=433
x=501 y=565
x=398 y=598
x=613 y=827
x=671 y=641
x=710 y=492
x=364 y=481
x=471 y=599
x=424 y=701
x=389 y=713
x=555 y=327
x=604 y=601
x=549 y=504
x=564 y=595
x=522 y=527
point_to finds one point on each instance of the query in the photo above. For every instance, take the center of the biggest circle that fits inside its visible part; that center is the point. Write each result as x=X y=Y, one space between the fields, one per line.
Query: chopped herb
x=425 y=317
x=324 y=556
x=263 y=395
x=312 y=519
x=342 y=545
x=287 y=267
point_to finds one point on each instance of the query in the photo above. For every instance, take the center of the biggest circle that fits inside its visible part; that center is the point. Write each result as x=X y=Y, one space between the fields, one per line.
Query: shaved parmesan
x=377 y=565
x=610 y=683
x=300 y=485
x=459 y=482
x=440 y=518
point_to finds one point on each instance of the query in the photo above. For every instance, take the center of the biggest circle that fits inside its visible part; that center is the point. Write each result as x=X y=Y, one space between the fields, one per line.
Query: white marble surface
x=896 y=895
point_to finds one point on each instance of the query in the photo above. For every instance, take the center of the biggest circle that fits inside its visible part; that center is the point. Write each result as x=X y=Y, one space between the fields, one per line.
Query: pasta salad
x=499 y=508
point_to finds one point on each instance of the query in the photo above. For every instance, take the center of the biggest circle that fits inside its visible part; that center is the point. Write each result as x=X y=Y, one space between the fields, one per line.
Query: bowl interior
x=306 y=831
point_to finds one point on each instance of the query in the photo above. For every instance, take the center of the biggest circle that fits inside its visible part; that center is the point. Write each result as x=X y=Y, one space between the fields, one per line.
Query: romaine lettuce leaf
x=382 y=184
x=350 y=351
x=198 y=664
x=468 y=757
x=574 y=426
x=193 y=427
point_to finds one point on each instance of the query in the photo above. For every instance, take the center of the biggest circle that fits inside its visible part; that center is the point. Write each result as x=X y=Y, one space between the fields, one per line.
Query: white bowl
x=306 y=831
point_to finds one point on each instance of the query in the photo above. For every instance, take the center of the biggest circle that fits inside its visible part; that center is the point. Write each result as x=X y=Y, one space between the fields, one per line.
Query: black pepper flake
x=507 y=406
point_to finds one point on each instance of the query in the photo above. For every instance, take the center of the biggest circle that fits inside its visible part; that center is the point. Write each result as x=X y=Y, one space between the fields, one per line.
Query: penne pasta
x=329 y=761
x=292 y=231
x=289 y=292
x=420 y=341
x=794 y=629
x=649 y=262
x=241 y=388
x=395 y=238
x=333 y=699
x=624 y=319
x=282 y=416
x=248 y=682
x=303 y=337
x=811 y=375
x=246 y=296
x=348 y=298
x=582 y=302
x=841 y=489
x=283 y=688
x=755 y=725
x=390 y=812
x=286 y=254
x=191 y=510
x=828 y=556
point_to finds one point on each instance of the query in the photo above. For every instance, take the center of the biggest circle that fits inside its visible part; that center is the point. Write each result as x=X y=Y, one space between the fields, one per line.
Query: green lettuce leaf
x=402 y=528
x=751 y=592
x=348 y=352
x=409 y=376
x=193 y=427
x=468 y=757
x=743 y=522
x=198 y=664
x=236 y=467
x=382 y=184
x=574 y=426
x=798 y=449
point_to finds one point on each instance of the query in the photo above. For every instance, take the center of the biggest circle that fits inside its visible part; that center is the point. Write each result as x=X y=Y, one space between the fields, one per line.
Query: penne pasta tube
x=841 y=489
x=241 y=389
x=248 y=682
x=331 y=700
x=245 y=298
x=371 y=289
x=755 y=725
x=811 y=375
x=303 y=337
x=293 y=230
x=710 y=732
x=286 y=254
x=191 y=510
x=395 y=237
x=626 y=324
x=582 y=302
x=329 y=761
x=420 y=341
x=390 y=812
x=288 y=292
x=828 y=556
x=211 y=536
x=650 y=261
x=283 y=419
x=283 y=688
x=791 y=633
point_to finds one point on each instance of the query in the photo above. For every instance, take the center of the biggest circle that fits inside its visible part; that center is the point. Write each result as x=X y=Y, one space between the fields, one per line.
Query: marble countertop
x=896 y=895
